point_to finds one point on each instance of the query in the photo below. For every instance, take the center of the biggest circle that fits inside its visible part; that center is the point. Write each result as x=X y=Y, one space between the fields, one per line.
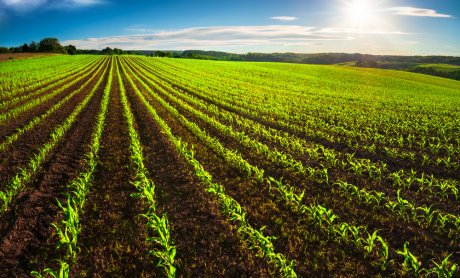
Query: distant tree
x=366 y=63
x=4 y=50
x=117 y=51
x=164 y=54
x=15 y=49
x=25 y=48
x=50 y=45
x=107 y=51
x=33 y=47
x=71 y=49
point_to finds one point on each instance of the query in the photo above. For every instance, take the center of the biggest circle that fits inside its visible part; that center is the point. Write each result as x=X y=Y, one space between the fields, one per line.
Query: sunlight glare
x=359 y=13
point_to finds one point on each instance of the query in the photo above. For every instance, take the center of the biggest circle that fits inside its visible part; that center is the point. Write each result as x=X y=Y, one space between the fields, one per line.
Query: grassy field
x=441 y=67
x=154 y=167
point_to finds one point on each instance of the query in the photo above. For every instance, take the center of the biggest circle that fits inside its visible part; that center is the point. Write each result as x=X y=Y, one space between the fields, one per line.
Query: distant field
x=19 y=56
x=440 y=67
x=133 y=166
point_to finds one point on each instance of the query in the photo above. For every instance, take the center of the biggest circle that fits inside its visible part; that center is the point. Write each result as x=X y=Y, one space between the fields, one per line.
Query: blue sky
x=368 y=26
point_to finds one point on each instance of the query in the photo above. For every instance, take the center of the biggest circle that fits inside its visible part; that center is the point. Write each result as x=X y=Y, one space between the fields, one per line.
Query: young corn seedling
x=445 y=269
x=411 y=263
x=427 y=213
x=167 y=254
x=64 y=271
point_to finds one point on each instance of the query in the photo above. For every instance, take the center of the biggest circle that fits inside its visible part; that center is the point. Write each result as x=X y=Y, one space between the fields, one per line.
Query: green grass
x=440 y=67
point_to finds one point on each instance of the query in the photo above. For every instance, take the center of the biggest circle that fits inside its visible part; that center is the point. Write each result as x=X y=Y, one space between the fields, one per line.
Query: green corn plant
x=411 y=263
x=63 y=272
x=428 y=213
x=356 y=238
x=68 y=229
x=342 y=230
x=167 y=255
x=370 y=242
x=445 y=269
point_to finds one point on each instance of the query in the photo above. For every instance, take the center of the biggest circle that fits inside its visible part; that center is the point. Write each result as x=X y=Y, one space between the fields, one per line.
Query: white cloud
x=29 y=5
x=243 y=38
x=341 y=30
x=22 y=5
x=284 y=18
x=412 y=11
x=75 y=3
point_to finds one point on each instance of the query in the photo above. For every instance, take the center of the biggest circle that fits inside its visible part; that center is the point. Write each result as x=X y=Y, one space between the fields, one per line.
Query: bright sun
x=359 y=13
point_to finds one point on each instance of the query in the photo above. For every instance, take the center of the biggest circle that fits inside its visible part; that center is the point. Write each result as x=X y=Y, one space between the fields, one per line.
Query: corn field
x=131 y=166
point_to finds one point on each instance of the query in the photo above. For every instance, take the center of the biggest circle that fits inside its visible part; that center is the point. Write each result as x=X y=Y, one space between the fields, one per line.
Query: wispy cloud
x=76 y=3
x=21 y=5
x=140 y=29
x=29 y=5
x=284 y=18
x=226 y=37
x=341 y=30
x=412 y=11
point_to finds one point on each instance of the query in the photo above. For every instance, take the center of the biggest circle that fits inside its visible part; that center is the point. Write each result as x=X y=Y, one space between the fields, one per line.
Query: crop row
x=257 y=104
x=25 y=174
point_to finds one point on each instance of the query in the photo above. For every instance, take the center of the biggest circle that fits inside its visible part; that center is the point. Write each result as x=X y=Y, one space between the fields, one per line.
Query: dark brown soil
x=21 y=151
x=24 y=117
x=26 y=233
x=113 y=241
x=395 y=232
x=207 y=246
x=26 y=97
x=263 y=211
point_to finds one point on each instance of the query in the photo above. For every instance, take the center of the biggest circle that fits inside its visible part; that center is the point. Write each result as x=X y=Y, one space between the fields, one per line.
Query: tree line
x=52 y=45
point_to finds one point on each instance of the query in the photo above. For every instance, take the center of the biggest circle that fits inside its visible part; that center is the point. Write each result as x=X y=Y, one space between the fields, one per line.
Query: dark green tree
x=25 y=48
x=107 y=51
x=50 y=45
x=71 y=49
x=33 y=47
